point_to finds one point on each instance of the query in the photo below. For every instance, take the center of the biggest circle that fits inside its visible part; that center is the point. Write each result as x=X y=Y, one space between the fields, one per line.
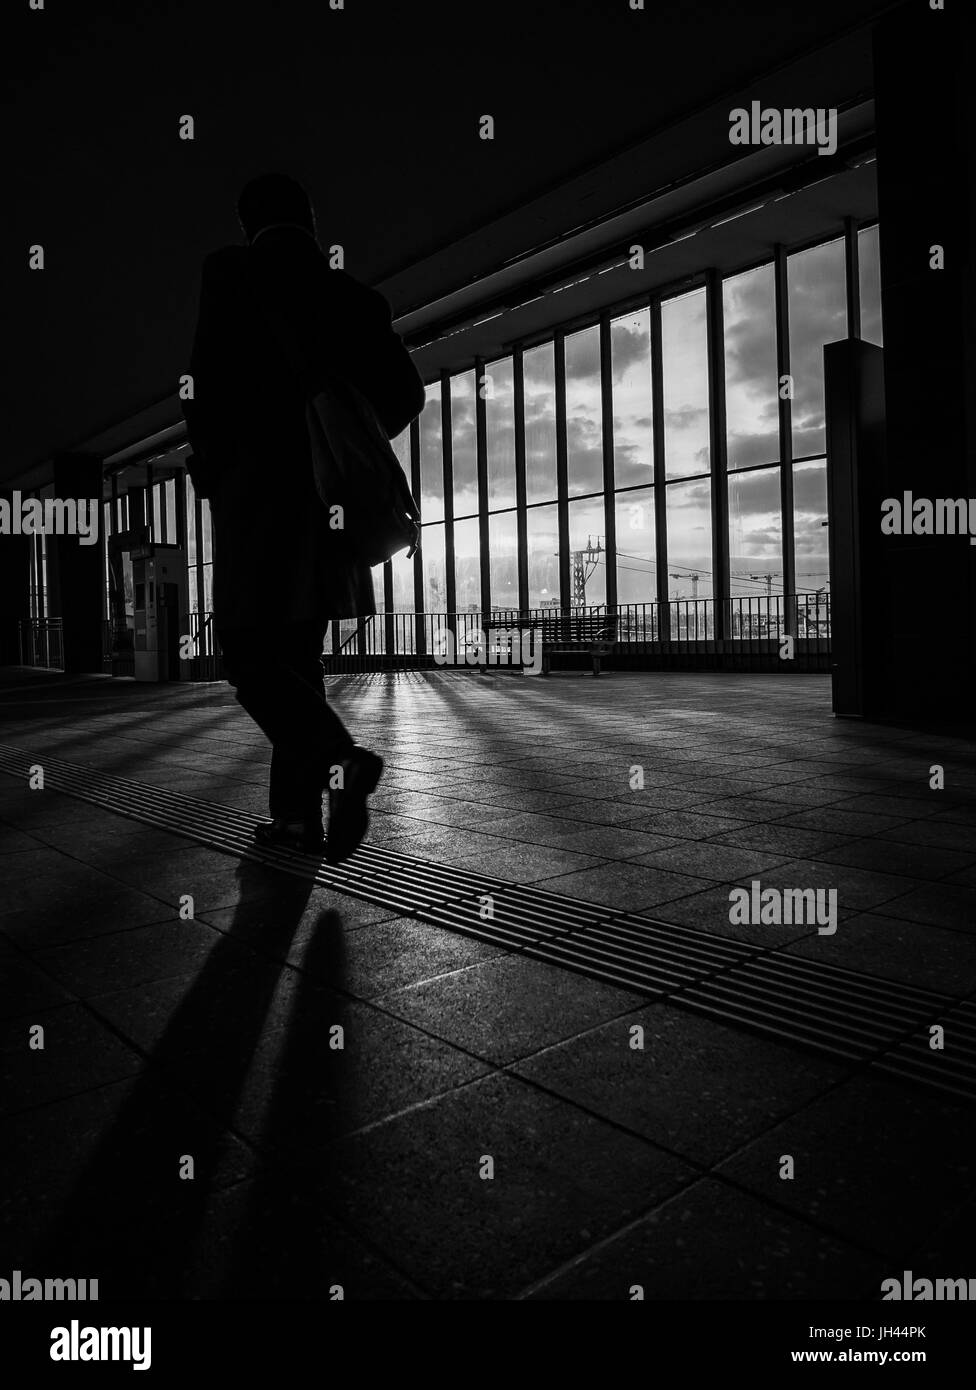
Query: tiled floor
x=373 y=1101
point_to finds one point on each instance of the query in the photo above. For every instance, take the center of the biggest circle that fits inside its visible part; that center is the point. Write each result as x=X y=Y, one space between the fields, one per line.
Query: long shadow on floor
x=248 y=1032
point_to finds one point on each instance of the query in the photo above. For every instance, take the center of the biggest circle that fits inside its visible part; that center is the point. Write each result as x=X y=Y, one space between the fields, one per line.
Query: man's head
x=274 y=200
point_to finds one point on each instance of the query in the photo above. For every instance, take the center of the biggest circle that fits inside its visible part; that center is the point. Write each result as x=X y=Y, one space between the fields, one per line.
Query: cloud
x=630 y=345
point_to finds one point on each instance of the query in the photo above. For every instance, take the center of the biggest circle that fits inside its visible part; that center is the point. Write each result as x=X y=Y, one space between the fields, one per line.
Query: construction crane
x=584 y=562
x=694 y=582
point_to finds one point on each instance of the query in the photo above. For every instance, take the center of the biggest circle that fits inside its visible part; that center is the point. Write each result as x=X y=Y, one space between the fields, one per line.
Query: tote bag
x=358 y=476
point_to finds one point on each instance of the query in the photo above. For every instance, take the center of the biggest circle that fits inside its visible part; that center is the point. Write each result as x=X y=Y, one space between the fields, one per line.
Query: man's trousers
x=277 y=677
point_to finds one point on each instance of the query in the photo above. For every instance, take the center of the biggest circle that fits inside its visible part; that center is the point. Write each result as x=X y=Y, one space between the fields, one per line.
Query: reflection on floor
x=373 y=1101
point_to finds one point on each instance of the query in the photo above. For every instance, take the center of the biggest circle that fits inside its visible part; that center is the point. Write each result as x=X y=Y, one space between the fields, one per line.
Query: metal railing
x=41 y=643
x=679 y=634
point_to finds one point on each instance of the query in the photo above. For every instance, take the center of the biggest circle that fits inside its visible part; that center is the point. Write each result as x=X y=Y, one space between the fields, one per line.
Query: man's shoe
x=303 y=836
x=348 y=817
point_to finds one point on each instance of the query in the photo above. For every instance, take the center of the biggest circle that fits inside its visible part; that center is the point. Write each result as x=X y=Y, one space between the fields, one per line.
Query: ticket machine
x=160 y=608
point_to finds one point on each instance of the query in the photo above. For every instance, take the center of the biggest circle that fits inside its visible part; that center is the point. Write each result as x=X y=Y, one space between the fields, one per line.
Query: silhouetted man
x=275 y=323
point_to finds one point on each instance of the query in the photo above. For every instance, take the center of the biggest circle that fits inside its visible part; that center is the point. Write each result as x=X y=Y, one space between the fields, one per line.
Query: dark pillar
x=76 y=569
x=14 y=591
x=854 y=394
x=923 y=64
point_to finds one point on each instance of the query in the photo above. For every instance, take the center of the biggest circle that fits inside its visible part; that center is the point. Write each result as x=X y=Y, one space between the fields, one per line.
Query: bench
x=595 y=633
x=506 y=640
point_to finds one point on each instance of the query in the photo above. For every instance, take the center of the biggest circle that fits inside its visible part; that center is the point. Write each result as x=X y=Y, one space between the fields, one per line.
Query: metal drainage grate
x=853 y=1016
x=824 y=1008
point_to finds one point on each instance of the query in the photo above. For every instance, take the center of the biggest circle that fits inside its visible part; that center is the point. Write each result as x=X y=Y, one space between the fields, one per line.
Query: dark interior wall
x=923 y=65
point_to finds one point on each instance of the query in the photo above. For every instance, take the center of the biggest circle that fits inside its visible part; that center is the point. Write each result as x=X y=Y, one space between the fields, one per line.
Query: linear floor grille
x=854 y=1017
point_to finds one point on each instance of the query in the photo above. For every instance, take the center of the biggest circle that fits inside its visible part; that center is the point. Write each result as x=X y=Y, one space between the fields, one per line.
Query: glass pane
x=630 y=361
x=464 y=444
x=503 y=545
x=539 y=375
x=587 y=553
x=542 y=525
x=584 y=413
x=191 y=522
x=467 y=566
x=755 y=534
x=156 y=517
x=403 y=600
x=194 y=600
x=379 y=588
x=636 y=568
x=684 y=348
x=170 y=511
x=435 y=584
x=499 y=388
x=809 y=529
x=869 y=282
x=689 y=517
x=818 y=315
x=401 y=447
x=206 y=531
x=431 y=457
x=751 y=379
x=208 y=588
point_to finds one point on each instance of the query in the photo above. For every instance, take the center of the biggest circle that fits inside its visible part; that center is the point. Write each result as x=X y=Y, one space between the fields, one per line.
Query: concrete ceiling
x=376 y=107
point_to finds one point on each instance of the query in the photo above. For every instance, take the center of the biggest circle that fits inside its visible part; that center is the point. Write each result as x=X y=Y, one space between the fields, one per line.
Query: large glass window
x=689 y=520
x=542 y=527
x=464 y=444
x=755 y=533
x=630 y=363
x=684 y=347
x=751 y=381
x=539 y=376
x=818 y=314
x=869 y=282
x=680 y=474
x=636 y=550
x=498 y=384
x=584 y=413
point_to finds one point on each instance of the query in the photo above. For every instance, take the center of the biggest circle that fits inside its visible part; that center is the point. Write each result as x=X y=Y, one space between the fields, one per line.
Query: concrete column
x=923 y=66
x=75 y=570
